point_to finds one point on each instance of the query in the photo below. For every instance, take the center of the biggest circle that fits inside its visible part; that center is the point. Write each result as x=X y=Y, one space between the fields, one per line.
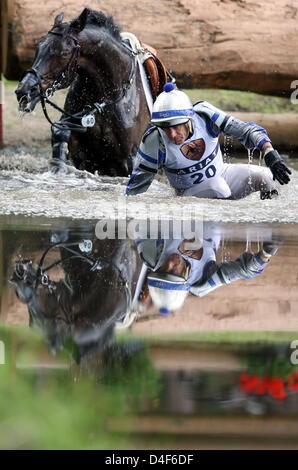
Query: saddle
x=156 y=72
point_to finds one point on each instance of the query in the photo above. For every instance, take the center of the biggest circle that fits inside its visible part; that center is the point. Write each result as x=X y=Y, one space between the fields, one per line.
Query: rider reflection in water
x=184 y=141
x=176 y=270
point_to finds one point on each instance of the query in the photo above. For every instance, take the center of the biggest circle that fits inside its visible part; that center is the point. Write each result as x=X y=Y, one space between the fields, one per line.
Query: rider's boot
x=60 y=138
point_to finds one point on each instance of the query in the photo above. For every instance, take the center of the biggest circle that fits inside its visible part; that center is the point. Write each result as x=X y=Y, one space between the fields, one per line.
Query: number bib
x=197 y=159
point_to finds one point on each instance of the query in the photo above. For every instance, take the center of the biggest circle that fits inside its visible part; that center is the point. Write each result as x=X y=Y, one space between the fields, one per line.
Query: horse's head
x=86 y=300
x=55 y=62
x=23 y=280
x=46 y=302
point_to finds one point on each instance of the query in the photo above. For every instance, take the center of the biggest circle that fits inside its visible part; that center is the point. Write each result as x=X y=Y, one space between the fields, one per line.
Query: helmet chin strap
x=190 y=128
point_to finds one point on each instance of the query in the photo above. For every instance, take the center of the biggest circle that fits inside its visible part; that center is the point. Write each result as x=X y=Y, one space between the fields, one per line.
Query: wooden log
x=244 y=45
x=281 y=128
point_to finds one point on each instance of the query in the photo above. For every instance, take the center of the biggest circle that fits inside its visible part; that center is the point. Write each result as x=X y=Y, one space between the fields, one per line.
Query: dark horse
x=102 y=71
x=80 y=290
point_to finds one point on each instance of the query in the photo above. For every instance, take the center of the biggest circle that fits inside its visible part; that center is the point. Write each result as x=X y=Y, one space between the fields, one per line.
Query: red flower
x=272 y=385
x=277 y=389
x=248 y=383
x=292 y=381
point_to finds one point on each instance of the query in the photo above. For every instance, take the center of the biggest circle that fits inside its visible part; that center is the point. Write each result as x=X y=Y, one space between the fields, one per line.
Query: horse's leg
x=129 y=164
x=60 y=138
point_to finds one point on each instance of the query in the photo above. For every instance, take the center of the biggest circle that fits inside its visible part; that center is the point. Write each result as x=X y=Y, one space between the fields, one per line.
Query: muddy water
x=94 y=271
x=29 y=189
x=64 y=336
x=201 y=367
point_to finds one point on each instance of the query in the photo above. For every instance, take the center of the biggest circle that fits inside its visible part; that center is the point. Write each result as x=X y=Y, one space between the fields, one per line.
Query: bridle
x=86 y=117
x=67 y=76
x=40 y=276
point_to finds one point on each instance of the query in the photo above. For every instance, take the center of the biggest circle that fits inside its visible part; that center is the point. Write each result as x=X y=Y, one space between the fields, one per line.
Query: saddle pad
x=155 y=71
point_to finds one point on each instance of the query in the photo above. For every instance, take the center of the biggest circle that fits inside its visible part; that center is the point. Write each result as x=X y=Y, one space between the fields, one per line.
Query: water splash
x=28 y=188
x=227 y=148
x=250 y=162
x=225 y=251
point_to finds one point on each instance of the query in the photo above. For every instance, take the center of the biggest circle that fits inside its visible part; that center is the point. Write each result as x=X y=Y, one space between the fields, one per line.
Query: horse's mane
x=98 y=18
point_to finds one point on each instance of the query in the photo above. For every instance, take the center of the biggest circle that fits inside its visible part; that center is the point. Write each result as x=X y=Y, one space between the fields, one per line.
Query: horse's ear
x=79 y=23
x=58 y=19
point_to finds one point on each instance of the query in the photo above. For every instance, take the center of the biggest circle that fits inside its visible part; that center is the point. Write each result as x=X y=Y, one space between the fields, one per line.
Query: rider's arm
x=148 y=159
x=249 y=134
x=247 y=266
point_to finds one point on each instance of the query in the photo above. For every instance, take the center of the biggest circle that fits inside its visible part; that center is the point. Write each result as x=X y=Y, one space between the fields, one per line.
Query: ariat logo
x=159 y=284
x=194 y=150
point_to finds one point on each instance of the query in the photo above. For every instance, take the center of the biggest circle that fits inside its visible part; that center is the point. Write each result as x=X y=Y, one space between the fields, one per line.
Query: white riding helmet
x=171 y=107
x=168 y=291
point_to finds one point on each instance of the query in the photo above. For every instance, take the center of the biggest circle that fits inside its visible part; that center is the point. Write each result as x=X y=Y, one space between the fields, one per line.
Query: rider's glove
x=276 y=164
x=270 y=249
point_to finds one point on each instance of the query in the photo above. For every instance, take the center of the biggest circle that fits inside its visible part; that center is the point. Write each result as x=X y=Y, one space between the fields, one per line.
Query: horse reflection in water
x=89 y=55
x=96 y=292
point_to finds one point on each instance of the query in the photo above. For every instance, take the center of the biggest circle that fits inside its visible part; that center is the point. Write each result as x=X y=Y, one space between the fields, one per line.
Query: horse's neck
x=106 y=62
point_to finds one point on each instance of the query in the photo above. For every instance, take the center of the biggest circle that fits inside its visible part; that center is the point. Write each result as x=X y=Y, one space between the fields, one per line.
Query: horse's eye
x=60 y=319
x=64 y=54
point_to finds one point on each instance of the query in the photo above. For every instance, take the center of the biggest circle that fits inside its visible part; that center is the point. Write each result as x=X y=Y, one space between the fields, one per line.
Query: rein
x=42 y=277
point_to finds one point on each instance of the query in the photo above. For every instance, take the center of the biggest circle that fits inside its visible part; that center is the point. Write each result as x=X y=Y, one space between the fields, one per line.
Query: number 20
x=209 y=173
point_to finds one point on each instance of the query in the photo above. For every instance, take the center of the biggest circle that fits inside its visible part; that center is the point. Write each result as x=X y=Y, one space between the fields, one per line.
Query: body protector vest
x=155 y=252
x=206 y=158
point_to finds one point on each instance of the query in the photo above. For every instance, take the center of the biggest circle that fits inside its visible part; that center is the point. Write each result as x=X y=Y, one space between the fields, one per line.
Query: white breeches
x=236 y=181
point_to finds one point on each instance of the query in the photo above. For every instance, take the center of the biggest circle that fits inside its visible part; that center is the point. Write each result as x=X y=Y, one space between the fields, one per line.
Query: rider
x=184 y=141
x=175 y=270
